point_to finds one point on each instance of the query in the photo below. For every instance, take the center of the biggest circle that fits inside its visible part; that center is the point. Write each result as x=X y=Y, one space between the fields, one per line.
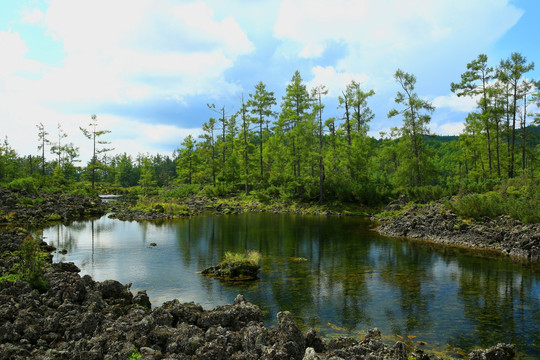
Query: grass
x=170 y=208
x=251 y=257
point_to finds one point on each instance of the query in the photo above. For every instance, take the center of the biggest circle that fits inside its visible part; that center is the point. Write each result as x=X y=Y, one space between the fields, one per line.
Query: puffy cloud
x=392 y=24
x=13 y=59
x=128 y=50
x=115 y=52
x=335 y=81
x=454 y=128
x=416 y=35
x=32 y=16
x=464 y=104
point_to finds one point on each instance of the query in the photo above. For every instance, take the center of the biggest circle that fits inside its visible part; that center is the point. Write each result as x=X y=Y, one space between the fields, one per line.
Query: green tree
x=223 y=119
x=362 y=113
x=147 y=174
x=296 y=124
x=93 y=134
x=416 y=116
x=43 y=142
x=245 y=134
x=124 y=175
x=317 y=94
x=474 y=82
x=260 y=104
x=511 y=72
x=58 y=149
x=209 y=146
x=345 y=102
x=8 y=161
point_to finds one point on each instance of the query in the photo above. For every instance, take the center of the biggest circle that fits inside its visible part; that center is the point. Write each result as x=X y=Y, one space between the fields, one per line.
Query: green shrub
x=10 y=277
x=28 y=184
x=135 y=354
x=181 y=192
x=492 y=204
x=33 y=260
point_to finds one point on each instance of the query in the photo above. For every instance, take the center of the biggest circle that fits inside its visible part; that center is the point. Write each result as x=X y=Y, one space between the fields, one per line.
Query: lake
x=333 y=273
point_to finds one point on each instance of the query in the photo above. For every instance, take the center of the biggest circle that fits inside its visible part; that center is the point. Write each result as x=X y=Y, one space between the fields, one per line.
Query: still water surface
x=349 y=280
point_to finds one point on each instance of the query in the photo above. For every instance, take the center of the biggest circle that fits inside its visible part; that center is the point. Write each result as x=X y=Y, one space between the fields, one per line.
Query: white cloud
x=392 y=24
x=335 y=81
x=13 y=58
x=464 y=104
x=32 y=16
x=451 y=128
x=381 y=36
x=156 y=49
x=115 y=52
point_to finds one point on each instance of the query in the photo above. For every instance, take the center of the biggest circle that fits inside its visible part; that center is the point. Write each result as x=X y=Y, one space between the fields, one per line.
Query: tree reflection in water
x=332 y=273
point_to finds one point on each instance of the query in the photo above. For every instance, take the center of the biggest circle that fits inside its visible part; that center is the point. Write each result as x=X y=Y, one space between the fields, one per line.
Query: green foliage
x=424 y=194
x=519 y=202
x=295 y=155
x=33 y=260
x=168 y=208
x=28 y=184
x=252 y=257
x=181 y=192
x=10 y=277
x=135 y=354
x=220 y=190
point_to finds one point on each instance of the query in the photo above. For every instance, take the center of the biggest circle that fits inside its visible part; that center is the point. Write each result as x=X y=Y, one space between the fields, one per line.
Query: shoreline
x=81 y=318
x=436 y=224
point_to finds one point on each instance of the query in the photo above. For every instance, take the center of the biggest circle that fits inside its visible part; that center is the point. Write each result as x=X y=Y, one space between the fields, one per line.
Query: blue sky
x=148 y=68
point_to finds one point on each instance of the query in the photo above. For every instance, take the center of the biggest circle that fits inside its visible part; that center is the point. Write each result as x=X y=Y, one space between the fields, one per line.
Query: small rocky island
x=236 y=267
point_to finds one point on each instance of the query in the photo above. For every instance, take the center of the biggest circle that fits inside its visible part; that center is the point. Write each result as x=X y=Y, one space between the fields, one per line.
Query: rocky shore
x=197 y=204
x=34 y=210
x=436 y=223
x=79 y=318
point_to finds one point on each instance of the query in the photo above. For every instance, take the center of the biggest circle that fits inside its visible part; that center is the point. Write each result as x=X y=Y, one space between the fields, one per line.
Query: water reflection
x=351 y=279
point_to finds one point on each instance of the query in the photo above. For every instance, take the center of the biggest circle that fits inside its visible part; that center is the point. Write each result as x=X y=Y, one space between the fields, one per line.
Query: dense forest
x=289 y=149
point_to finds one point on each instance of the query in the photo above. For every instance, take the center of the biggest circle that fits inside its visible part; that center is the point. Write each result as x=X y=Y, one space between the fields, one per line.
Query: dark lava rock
x=498 y=352
x=46 y=207
x=233 y=271
x=79 y=318
x=436 y=223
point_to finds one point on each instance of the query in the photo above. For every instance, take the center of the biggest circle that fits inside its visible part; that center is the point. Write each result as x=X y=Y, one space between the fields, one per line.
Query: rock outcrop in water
x=434 y=222
x=233 y=271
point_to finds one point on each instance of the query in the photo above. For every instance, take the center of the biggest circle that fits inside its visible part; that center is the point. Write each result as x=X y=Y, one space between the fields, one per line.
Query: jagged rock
x=310 y=354
x=435 y=223
x=314 y=341
x=112 y=289
x=142 y=299
x=79 y=318
x=289 y=336
x=233 y=271
x=498 y=352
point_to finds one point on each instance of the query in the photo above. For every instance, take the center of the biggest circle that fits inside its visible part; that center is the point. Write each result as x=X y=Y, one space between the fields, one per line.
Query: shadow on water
x=332 y=273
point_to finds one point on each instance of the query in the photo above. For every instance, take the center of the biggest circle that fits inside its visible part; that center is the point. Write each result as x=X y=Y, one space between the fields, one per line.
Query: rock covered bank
x=434 y=222
x=26 y=209
x=79 y=318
